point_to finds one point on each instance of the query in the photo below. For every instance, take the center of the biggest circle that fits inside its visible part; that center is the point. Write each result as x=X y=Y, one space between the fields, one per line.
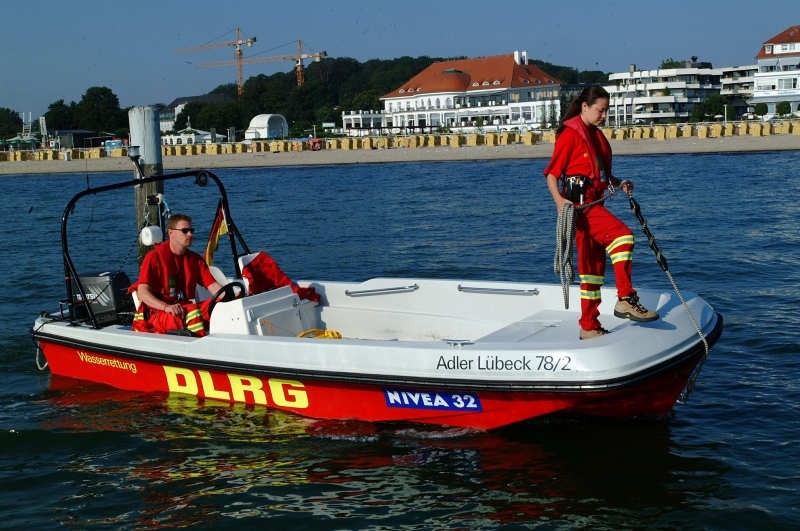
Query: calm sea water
x=96 y=458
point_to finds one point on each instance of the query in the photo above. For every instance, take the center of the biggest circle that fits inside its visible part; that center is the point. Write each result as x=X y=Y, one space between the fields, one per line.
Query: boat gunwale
x=695 y=350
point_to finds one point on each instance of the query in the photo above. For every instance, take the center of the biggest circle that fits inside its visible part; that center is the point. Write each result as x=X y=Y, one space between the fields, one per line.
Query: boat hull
x=441 y=403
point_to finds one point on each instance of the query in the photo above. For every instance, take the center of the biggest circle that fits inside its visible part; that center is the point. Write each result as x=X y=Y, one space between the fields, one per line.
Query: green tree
x=328 y=114
x=231 y=89
x=671 y=63
x=10 y=123
x=300 y=128
x=710 y=108
x=303 y=101
x=368 y=100
x=221 y=116
x=715 y=105
x=193 y=108
x=59 y=115
x=99 y=111
x=569 y=74
x=761 y=109
x=783 y=108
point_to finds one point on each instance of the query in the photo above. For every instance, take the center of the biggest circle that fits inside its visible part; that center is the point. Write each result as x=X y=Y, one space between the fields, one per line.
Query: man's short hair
x=174 y=219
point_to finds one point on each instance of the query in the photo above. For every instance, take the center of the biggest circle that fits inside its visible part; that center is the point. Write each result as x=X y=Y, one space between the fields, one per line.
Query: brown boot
x=631 y=308
x=597 y=332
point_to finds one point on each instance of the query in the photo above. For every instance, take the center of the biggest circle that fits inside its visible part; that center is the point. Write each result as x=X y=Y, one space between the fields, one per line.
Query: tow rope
x=562 y=266
x=662 y=261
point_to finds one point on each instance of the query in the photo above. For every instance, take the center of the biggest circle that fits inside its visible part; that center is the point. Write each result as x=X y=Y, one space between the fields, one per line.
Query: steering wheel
x=227 y=289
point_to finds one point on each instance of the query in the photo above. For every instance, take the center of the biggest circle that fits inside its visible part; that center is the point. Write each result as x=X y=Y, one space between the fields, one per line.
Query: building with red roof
x=778 y=76
x=504 y=91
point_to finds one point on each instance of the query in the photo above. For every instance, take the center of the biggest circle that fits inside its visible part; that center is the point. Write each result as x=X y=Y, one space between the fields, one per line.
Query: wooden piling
x=145 y=133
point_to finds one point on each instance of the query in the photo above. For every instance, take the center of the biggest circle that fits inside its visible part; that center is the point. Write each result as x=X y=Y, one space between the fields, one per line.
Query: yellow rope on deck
x=318 y=333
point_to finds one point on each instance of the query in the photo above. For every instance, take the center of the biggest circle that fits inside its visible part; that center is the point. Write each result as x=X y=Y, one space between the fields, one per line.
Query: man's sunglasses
x=185 y=230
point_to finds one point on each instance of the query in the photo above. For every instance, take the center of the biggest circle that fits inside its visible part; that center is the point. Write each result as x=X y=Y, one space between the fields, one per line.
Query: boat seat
x=243 y=261
x=219 y=276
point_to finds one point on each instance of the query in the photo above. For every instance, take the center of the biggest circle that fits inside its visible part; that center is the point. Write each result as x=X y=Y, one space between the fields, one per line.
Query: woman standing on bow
x=582 y=164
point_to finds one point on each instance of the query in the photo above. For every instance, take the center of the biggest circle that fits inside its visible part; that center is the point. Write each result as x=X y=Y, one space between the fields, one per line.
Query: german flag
x=217 y=230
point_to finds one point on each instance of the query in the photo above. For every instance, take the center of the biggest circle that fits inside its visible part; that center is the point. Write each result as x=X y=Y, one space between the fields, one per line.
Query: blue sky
x=52 y=49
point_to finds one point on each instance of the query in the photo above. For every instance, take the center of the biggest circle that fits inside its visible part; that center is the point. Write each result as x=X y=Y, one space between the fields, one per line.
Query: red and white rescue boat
x=461 y=353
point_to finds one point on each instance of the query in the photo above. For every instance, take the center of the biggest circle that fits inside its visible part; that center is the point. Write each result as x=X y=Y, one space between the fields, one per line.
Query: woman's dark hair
x=590 y=94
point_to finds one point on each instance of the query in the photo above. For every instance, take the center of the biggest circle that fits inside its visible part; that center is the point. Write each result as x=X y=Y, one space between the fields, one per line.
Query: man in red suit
x=167 y=284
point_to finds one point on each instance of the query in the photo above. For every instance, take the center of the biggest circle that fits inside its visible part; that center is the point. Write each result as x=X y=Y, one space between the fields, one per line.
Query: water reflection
x=201 y=462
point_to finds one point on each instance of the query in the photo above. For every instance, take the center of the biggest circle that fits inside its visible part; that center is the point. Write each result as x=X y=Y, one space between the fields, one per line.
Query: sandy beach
x=729 y=144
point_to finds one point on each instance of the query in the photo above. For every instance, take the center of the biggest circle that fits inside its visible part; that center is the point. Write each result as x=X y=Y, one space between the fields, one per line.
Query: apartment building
x=778 y=75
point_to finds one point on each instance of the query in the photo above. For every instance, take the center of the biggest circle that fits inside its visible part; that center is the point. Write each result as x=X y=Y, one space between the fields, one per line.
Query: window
x=768 y=49
x=429 y=103
x=787 y=83
x=447 y=102
x=485 y=83
x=438 y=104
x=495 y=83
x=402 y=91
x=785 y=48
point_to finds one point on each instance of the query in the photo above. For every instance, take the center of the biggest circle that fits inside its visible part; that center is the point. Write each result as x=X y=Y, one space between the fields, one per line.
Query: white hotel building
x=503 y=90
x=778 y=76
x=668 y=95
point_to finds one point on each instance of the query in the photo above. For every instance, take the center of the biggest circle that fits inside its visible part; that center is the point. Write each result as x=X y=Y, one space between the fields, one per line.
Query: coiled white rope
x=565 y=237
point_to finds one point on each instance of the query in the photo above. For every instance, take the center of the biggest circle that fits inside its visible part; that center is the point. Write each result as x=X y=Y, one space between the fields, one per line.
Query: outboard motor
x=108 y=296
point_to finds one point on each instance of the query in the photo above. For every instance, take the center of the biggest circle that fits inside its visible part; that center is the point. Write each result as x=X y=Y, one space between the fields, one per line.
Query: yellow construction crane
x=298 y=58
x=237 y=44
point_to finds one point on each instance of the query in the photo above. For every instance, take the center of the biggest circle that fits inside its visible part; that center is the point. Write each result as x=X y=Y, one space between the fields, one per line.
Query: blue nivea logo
x=440 y=400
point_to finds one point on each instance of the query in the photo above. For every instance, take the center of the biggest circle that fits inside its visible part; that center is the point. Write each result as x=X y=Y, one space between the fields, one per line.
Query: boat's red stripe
x=341 y=400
